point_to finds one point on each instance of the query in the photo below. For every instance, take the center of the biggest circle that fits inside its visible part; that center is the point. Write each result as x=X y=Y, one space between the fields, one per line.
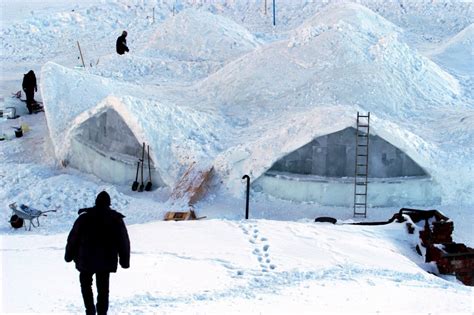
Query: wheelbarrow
x=23 y=212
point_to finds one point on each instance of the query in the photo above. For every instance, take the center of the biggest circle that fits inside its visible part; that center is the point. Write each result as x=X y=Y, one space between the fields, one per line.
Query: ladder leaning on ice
x=361 y=165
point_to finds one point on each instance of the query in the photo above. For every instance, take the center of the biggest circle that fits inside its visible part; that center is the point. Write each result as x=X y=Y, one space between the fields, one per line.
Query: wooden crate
x=181 y=216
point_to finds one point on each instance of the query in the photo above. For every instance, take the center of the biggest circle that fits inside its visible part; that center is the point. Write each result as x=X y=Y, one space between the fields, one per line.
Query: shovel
x=140 y=189
x=135 y=183
x=148 y=184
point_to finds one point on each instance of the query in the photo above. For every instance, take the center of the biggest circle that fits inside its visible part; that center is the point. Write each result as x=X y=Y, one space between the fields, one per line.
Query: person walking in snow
x=121 y=44
x=96 y=243
x=29 y=87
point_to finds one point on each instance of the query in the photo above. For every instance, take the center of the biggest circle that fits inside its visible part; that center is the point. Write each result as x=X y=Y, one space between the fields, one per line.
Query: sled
x=23 y=212
x=36 y=106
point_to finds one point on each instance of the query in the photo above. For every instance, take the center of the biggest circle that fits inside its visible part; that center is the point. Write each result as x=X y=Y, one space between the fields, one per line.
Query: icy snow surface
x=215 y=82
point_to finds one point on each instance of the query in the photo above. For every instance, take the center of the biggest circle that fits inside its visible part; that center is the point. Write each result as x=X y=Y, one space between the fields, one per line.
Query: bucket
x=18 y=132
x=11 y=114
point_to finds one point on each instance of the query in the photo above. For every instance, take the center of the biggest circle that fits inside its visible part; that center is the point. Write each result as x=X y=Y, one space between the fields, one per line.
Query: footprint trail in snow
x=261 y=248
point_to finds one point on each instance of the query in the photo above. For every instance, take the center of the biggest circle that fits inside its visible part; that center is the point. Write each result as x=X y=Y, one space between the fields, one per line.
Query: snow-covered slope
x=261 y=106
x=458 y=52
x=426 y=22
x=345 y=55
x=248 y=267
x=156 y=71
x=271 y=92
x=194 y=35
x=176 y=134
x=184 y=48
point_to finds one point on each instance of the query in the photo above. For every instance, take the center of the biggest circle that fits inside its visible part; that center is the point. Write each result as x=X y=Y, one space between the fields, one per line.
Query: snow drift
x=273 y=100
x=358 y=54
x=365 y=67
x=197 y=36
x=458 y=52
x=184 y=48
x=177 y=136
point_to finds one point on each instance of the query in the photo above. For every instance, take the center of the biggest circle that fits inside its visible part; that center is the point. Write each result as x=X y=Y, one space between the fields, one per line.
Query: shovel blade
x=148 y=186
x=135 y=186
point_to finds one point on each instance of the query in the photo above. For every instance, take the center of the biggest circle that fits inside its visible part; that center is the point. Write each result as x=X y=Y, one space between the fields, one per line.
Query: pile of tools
x=141 y=186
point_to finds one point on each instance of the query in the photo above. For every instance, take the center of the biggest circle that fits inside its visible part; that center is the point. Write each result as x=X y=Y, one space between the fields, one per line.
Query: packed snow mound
x=197 y=35
x=177 y=135
x=160 y=71
x=356 y=15
x=458 y=52
x=263 y=105
x=186 y=48
x=337 y=56
x=364 y=68
x=426 y=21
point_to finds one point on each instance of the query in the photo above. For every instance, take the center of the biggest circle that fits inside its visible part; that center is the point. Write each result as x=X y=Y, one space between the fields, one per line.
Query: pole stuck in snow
x=80 y=52
x=274 y=23
x=247 y=196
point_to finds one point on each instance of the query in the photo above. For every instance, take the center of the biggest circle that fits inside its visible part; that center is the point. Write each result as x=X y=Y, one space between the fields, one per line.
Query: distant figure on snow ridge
x=121 y=45
x=29 y=87
x=98 y=238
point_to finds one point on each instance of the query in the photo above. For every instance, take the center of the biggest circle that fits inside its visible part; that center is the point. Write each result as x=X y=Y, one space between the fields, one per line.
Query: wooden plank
x=181 y=216
x=194 y=183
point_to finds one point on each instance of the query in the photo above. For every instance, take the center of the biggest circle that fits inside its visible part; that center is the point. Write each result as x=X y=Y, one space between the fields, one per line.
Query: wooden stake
x=79 y=46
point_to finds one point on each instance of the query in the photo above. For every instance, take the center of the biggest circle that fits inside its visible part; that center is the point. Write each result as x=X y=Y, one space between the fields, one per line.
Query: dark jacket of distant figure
x=29 y=82
x=122 y=44
x=98 y=238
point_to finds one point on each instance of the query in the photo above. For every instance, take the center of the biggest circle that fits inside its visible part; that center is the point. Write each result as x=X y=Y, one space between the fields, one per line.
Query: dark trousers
x=30 y=99
x=102 y=282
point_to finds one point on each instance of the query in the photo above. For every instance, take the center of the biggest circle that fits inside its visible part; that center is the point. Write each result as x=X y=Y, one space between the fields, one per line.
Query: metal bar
x=274 y=18
x=247 y=196
x=355 y=171
x=367 y=160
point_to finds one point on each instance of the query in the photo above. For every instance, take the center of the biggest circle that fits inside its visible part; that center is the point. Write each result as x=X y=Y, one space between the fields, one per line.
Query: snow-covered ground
x=280 y=261
x=247 y=267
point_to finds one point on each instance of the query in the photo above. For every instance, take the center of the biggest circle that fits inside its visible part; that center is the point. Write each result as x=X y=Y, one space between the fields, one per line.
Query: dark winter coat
x=121 y=45
x=29 y=82
x=98 y=238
